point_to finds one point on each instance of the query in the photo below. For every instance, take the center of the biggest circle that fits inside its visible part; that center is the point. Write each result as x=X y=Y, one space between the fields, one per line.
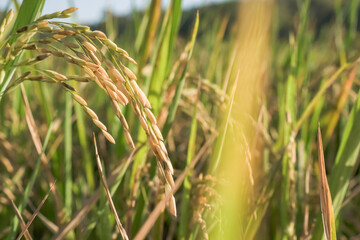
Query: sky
x=91 y=11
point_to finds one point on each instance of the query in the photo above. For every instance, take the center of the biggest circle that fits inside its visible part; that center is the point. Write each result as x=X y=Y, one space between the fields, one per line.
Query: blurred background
x=93 y=11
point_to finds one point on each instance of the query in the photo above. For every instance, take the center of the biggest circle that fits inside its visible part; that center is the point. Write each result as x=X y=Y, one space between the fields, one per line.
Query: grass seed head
x=79 y=99
x=89 y=72
x=129 y=73
x=110 y=44
x=42 y=24
x=128 y=139
x=100 y=124
x=59 y=36
x=91 y=113
x=89 y=46
x=92 y=66
x=122 y=88
x=143 y=123
x=68 y=86
x=71 y=45
x=157 y=132
x=108 y=136
x=69 y=10
x=127 y=57
x=108 y=83
x=94 y=58
x=116 y=75
x=124 y=99
x=169 y=178
x=56 y=75
x=151 y=116
x=99 y=34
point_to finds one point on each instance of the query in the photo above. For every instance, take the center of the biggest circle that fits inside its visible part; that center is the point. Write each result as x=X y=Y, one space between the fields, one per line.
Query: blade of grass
x=29 y=10
x=153 y=85
x=85 y=146
x=37 y=142
x=21 y=220
x=45 y=100
x=288 y=165
x=185 y=202
x=163 y=53
x=49 y=224
x=345 y=161
x=175 y=102
x=114 y=181
x=339 y=21
x=145 y=228
x=214 y=58
x=108 y=195
x=325 y=196
x=353 y=20
x=263 y=203
x=342 y=100
x=67 y=154
x=162 y=59
x=147 y=31
x=34 y=214
x=41 y=150
x=311 y=106
x=34 y=175
x=215 y=159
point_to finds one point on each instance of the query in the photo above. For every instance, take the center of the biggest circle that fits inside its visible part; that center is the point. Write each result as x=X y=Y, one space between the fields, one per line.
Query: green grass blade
x=353 y=20
x=174 y=105
x=155 y=82
x=162 y=61
x=215 y=158
x=185 y=202
x=30 y=185
x=67 y=150
x=29 y=10
x=153 y=85
x=146 y=34
x=312 y=105
x=81 y=129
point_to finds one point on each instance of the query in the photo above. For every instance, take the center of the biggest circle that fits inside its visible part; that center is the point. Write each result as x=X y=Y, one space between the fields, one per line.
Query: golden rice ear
x=151 y=116
x=116 y=75
x=79 y=99
x=108 y=137
x=129 y=73
x=158 y=132
x=171 y=204
x=99 y=34
x=128 y=139
x=69 y=10
x=91 y=113
x=89 y=46
x=56 y=75
x=127 y=57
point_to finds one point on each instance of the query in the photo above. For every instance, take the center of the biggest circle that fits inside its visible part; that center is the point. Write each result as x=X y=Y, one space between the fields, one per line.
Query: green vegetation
x=234 y=121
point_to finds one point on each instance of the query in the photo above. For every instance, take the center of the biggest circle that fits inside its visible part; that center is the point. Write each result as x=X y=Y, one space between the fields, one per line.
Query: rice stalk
x=108 y=195
x=34 y=214
x=117 y=81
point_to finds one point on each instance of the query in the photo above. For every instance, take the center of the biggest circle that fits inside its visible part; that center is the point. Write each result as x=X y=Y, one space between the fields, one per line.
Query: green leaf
x=29 y=11
x=344 y=164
